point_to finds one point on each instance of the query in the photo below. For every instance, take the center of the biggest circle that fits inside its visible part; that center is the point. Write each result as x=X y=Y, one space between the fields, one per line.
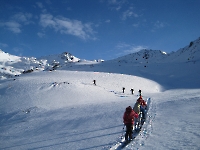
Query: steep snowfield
x=63 y=109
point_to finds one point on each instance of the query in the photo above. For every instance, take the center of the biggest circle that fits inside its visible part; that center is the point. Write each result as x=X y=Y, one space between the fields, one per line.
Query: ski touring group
x=134 y=118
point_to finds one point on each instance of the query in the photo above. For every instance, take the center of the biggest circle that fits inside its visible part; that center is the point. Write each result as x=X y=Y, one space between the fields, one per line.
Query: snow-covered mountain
x=63 y=109
x=11 y=65
x=190 y=53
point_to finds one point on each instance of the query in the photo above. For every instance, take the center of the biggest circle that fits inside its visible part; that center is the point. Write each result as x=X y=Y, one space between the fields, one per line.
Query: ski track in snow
x=116 y=93
x=147 y=129
x=140 y=139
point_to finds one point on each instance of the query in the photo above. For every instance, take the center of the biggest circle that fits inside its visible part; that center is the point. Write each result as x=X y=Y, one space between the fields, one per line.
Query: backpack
x=136 y=107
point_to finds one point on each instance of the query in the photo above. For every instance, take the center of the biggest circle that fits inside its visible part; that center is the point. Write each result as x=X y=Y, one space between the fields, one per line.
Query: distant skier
x=140 y=92
x=132 y=91
x=94 y=81
x=128 y=119
x=123 y=89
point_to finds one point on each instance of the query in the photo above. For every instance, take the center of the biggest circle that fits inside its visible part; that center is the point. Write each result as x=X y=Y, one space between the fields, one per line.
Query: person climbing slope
x=143 y=106
x=140 y=109
x=128 y=119
x=136 y=109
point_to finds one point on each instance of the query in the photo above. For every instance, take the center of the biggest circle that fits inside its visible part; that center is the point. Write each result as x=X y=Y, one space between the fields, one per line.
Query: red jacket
x=141 y=101
x=129 y=116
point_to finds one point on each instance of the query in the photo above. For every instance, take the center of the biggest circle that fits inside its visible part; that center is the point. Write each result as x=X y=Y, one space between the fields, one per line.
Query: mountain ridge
x=11 y=65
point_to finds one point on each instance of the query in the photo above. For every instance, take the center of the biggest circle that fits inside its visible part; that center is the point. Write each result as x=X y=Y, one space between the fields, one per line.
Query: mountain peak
x=190 y=53
x=143 y=56
x=11 y=65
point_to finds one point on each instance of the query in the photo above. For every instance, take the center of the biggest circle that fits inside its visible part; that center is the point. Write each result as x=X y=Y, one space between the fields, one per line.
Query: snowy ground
x=63 y=109
x=37 y=113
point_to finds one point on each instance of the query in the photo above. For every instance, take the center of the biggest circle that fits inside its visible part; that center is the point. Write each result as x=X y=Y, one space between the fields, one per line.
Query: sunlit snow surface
x=63 y=109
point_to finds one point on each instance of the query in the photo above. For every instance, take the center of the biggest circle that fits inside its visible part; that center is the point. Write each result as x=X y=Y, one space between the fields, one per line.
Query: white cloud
x=18 y=50
x=127 y=48
x=118 y=8
x=67 y=26
x=3 y=45
x=16 y=22
x=116 y=4
x=136 y=25
x=39 y=4
x=40 y=34
x=22 y=17
x=47 y=20
x=158 y=25
x=129 y=13
x=122 y=45
x=12 y=26
x=48 y=2
x=112 y=1
x=107 y=21
x=134 y=49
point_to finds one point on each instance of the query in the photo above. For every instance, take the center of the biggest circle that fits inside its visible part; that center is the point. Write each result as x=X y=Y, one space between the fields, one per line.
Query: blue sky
x=96 y=29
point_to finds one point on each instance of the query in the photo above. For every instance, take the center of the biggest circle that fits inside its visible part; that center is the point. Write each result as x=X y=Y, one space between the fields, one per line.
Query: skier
x=140 y=92
x=128 y=119
x=136 y=109
x=94 y=81
x=143 y=106
x=123 y=89
x=132 y=91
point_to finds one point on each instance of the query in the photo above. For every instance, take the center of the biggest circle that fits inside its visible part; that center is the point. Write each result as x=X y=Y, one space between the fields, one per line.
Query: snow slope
x=63 y=109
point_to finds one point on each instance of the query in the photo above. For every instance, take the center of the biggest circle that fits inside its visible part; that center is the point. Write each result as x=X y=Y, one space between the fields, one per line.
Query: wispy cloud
x=129 y=13
x=67 y=26
x=47 y=20
x=107 y=21
x=16 y=22
x=136 y=25
x=3 y=45
x=18 y=50
x=48 y=2
x=24 y=18
x=158 y=25
x=116 y=4
x=40 y=34
x=12 y=26
x=112 y=1
x=128 y=48
x=39 y=4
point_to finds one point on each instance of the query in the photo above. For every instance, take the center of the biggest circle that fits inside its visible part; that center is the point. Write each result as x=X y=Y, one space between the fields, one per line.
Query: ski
x=123 y=143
